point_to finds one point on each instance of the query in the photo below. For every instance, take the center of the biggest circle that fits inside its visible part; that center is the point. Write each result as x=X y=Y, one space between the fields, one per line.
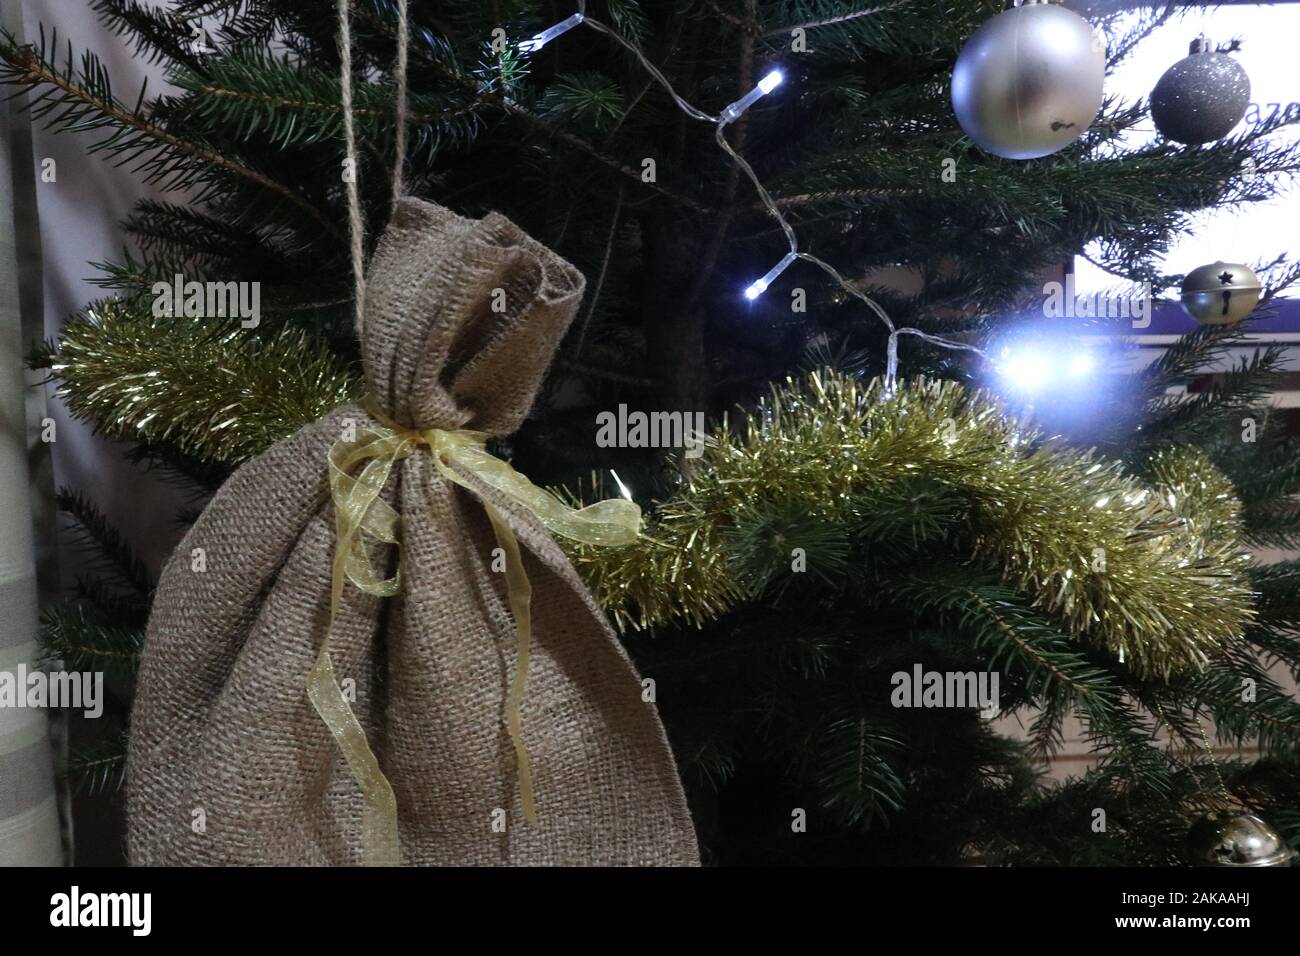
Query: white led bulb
x=759 y=286
x=546 y=36
x=766 y=85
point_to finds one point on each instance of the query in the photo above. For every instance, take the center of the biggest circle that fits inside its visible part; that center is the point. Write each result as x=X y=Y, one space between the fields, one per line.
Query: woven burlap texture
x=228 y=761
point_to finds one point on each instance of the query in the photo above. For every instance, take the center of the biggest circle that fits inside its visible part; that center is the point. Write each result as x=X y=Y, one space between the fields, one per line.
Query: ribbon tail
x=379 y=816
x=353 y=500
x=520 y=594
x=613 y=521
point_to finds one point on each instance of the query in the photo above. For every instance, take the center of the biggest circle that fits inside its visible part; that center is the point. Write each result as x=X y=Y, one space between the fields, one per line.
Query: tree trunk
x=674 y=335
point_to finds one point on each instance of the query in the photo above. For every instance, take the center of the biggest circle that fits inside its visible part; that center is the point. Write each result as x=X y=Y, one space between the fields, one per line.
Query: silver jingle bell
x=1029 y=81
x=1220 y=293
x=1236 y=839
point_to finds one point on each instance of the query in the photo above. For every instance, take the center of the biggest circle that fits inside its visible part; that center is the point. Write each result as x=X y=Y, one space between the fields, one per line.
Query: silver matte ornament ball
x=1201 y=97
x=1029 y=82
x=1221 y=293
x=1236 y=839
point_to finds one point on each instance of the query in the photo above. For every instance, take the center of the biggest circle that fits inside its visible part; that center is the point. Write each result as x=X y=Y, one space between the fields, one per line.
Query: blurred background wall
x=79 y=215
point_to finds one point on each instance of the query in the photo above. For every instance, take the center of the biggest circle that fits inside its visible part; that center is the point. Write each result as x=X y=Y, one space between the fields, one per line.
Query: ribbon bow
x=360 y=514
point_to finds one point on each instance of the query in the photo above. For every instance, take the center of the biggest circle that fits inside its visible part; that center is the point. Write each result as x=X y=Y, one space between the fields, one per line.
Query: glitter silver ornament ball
x=1029 y=81
x=1221 y=293
x=1236 y=839
x=1201 y=97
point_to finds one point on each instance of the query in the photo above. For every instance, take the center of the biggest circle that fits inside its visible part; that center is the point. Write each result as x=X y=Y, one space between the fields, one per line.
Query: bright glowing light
x=766 y=85
x=623 y=489
x=1026 y=370
x=1047 y=363
x=546 y=36
x=759 y=286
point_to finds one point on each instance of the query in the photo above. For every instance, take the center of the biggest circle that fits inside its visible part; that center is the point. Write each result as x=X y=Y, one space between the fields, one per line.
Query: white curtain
x=29 y=806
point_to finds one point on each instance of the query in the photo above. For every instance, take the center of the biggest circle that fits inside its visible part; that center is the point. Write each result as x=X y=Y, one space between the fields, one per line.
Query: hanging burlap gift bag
x=232 y=761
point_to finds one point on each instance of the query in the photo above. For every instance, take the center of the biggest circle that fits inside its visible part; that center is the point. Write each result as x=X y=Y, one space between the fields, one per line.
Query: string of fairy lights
x=771 y=81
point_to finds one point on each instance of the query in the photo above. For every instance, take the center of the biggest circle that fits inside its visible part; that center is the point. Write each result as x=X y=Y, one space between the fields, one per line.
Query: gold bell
x=1221 y=293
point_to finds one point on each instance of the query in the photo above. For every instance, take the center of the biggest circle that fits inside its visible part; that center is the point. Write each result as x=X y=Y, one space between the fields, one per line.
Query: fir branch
x=1273 y=525
x=1242 y=388
x=1188 y=355
x=100 y=767
x=852 y=764
x=257 y=96
x=837 y=195
x=629 y=19
x=488 y=94
x=155 y=34
x=203 y=238
x=80 y=638
x=108 y=598
x=1024 y=645
x=589 y=98
x=1151 y=21
x=1268 y=713
x=762 y=542
x=87 y=102
x=1010 y=635
x=97 y=537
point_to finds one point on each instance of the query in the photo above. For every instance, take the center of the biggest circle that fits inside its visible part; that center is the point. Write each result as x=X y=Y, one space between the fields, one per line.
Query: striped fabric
x=29 y=818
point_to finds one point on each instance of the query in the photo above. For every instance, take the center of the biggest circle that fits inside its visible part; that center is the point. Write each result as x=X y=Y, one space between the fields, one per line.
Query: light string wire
x=733 y=112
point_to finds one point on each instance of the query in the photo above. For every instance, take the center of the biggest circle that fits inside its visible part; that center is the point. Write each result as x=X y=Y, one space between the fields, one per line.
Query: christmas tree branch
x=832 y=20
x=100 y=767
x=486 y=94
x=89 y=103
x=96 y=536
x=84 y=640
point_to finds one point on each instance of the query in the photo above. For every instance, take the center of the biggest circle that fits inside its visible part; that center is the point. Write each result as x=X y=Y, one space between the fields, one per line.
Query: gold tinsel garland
x=1154 y=574
x=218 y=392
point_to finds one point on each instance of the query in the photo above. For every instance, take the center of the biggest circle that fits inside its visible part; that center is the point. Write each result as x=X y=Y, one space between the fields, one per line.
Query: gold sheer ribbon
x=361 y=516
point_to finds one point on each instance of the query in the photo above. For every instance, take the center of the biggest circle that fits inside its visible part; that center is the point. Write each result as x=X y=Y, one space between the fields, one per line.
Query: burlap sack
x=230 y=764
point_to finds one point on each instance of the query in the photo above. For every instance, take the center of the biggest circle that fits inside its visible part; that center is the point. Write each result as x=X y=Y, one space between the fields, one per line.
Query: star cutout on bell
x=1221 y=293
